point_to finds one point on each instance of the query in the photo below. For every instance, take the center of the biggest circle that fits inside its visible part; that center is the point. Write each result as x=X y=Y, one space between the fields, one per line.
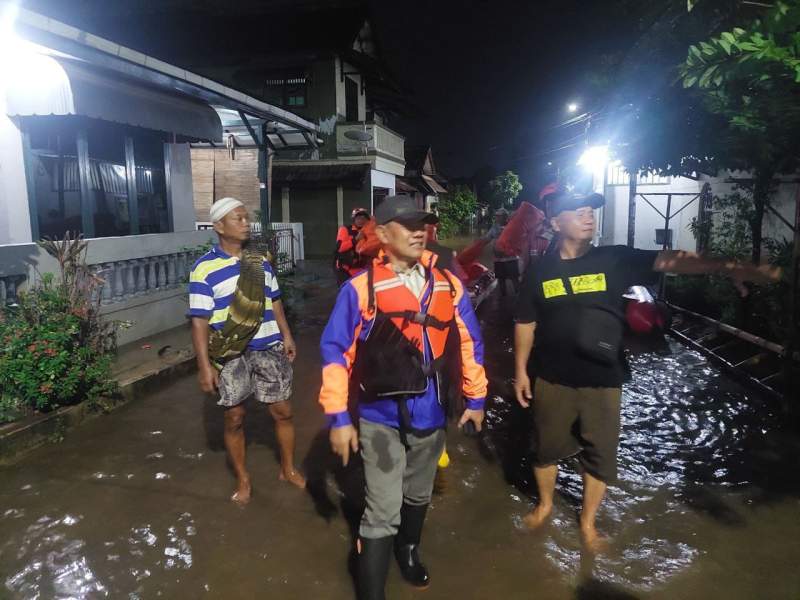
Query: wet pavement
x=135 y=504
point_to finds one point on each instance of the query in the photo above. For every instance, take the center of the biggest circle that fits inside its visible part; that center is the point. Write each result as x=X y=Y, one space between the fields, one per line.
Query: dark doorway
x=379 y=195
x=351 y=100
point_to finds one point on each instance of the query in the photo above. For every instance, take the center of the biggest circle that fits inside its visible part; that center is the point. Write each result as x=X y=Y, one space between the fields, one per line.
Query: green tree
x=456 y=209
x=504 y=190
x=750 y=77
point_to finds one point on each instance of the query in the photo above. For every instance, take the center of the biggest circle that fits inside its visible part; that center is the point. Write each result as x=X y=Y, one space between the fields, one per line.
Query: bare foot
x=243 y=493
x=593 y=541
x=293 y=477
x=537 y=517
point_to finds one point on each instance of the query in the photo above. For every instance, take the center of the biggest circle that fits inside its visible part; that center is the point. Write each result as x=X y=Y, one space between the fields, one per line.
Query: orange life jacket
x=392 y=361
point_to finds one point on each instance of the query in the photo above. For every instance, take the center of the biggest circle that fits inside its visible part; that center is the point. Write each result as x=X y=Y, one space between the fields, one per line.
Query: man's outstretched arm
x=690 y=263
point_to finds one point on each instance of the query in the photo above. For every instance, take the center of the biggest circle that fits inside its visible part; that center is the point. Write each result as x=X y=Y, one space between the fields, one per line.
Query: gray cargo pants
x=395 y=475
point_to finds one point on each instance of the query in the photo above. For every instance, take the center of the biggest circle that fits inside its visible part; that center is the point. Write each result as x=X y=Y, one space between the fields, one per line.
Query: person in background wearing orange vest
x=399 y=328
x=506 y=268
x=347 y=261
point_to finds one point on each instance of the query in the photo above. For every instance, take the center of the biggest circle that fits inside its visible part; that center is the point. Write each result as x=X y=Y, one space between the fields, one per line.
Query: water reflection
x=56 y=561
x=57 y=567
x=689 y=436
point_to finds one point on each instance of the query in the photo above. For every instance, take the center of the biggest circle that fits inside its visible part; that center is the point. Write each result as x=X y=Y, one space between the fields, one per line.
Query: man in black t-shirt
x=572 y=300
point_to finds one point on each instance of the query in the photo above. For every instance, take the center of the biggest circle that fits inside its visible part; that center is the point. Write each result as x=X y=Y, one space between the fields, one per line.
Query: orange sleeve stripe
x=333 y=395
x=474 y=382
x=335 y=376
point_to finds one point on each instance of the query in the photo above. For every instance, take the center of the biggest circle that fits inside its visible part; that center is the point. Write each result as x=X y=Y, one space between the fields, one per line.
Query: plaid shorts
x=265 y=373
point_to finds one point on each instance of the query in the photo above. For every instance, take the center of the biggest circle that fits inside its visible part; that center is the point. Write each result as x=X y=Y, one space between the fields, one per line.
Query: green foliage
x=504 y=190
x=750 y=76
x=55 y=348
x=456 y=209
x=765 y=311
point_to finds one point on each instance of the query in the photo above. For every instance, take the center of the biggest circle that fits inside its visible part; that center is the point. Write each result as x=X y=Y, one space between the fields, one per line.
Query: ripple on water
x=683 y=426
x=54 y=562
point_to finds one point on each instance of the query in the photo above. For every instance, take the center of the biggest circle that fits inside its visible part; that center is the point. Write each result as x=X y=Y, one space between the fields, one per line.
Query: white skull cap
x=222 y=207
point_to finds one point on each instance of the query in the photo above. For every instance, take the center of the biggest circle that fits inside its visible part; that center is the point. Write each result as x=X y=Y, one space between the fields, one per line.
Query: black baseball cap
x=558 y=202
x=402 y=209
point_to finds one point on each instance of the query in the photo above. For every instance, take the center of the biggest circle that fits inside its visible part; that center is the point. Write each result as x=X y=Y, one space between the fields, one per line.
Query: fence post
x=632 y=208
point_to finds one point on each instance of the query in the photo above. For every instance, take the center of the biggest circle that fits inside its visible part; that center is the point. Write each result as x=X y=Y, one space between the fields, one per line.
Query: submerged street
x=135 y=504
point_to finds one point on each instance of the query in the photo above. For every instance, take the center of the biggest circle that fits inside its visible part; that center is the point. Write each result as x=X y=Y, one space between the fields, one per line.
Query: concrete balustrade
x=145 y=277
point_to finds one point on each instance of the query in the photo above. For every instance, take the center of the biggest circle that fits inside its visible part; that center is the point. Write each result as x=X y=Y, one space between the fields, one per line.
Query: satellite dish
x=358 y=135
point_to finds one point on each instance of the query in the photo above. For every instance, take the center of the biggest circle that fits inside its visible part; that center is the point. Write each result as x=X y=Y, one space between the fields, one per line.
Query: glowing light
x=573 y=107
x=594 y=158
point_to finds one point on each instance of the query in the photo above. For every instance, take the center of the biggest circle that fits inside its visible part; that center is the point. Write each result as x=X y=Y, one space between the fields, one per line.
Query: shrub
x=765 y=311
x=455 y=211
x=55 y=348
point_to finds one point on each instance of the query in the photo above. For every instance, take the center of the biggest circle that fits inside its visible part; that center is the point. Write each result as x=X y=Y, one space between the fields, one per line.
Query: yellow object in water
x=444 y=459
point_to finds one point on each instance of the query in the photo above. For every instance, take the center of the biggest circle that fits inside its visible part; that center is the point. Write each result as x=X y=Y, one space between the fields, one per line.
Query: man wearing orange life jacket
x=396 y=328
x=347 y=261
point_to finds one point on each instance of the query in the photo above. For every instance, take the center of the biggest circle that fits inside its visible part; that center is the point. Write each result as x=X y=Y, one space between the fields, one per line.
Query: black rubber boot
x=373 y=565
x=406 y=545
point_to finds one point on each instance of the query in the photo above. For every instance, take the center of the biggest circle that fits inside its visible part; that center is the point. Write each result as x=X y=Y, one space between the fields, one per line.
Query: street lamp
x=572 y=107
x=594 y=158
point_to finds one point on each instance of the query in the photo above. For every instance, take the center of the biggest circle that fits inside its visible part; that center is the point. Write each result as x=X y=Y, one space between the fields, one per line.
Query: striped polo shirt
x=211 y=287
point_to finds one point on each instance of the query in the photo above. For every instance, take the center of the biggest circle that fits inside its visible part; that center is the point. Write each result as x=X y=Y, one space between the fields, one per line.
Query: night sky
x=490 y=78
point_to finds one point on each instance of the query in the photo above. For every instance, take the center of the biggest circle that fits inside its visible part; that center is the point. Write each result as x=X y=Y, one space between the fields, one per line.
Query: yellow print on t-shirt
x=582 y=284
x=553 y=287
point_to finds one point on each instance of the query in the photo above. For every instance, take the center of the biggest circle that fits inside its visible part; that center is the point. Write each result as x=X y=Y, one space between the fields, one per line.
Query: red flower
x=32 y=347
x=46 y=388
x=50 y=352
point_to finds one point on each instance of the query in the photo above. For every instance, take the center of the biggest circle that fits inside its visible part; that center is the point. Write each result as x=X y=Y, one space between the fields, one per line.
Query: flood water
x=134 y=504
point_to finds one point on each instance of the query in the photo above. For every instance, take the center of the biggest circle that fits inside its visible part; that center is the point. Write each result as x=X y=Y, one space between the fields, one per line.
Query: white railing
x=383 y=140
x=145 y=276
x=134 y=277
x=124 y=278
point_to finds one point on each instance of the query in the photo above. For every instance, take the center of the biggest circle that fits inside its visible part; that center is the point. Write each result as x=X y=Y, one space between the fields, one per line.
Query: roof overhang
x=96 y=52
x=44 y=85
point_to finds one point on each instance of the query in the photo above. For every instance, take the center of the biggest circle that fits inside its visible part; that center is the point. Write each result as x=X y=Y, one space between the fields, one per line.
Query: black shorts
x=582 y=422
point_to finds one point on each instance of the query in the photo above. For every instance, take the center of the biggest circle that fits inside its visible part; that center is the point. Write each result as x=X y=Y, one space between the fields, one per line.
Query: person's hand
x=289 y=348
x=361 y=236
x=522 y=389
x=476 y=416
x=344 y=439
x=759 y=274
x=208 y=378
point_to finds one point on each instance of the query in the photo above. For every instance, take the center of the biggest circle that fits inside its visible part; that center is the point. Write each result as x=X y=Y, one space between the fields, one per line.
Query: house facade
x=335 y=79
x=421 y=179
x=95 y=139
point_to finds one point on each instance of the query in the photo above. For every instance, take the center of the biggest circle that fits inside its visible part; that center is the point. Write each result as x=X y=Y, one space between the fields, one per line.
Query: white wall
x=382 y=180
x=389 y=166
x=615 y=217
x=615 y=226
x=180 y=162
x=15 y=223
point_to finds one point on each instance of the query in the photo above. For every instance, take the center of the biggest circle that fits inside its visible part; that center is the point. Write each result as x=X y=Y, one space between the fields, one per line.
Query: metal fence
x=281 y=245
x=285 y=242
